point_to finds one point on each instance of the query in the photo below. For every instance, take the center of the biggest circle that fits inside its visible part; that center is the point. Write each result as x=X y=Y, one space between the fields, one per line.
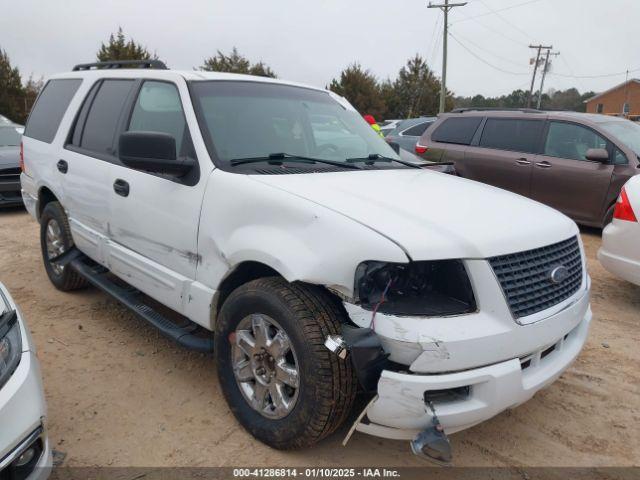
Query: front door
x=564 y=179
x=154 y=218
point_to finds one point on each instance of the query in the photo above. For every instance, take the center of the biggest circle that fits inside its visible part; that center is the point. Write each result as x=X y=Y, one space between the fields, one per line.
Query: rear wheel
x=55 y=239
x=280 y=381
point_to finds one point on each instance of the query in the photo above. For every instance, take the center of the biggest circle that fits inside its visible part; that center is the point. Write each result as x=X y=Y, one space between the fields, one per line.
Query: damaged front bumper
x=466 y=398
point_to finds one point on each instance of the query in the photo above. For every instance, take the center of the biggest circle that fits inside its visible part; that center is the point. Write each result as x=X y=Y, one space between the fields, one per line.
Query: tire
x=63 y=278
x=326 y=384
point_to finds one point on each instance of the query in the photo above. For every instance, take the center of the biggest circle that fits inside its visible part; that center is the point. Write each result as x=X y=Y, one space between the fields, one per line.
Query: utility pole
x=544 y=74
x=445 y=7
x=535 y=69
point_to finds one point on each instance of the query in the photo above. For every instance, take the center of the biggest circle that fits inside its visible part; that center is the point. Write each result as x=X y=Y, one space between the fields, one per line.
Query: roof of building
x=631 y=80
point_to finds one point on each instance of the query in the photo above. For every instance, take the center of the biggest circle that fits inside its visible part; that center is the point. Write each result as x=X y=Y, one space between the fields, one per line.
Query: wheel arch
x=45 y=196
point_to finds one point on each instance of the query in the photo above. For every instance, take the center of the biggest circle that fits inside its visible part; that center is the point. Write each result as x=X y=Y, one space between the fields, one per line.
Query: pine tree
x=236 y=63
x=11 y=91
x=417 y=90
x=361 y=88
x=119 y=48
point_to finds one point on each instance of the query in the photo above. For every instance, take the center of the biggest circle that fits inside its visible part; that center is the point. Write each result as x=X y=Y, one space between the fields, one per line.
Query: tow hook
x=432 y=443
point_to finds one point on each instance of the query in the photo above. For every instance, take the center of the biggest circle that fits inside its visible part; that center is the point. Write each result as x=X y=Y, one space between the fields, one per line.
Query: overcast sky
x=312 y=41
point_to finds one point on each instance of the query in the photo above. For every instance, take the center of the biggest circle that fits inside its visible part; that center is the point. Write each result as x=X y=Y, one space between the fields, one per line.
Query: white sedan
x=24 y=448
x=620 y=251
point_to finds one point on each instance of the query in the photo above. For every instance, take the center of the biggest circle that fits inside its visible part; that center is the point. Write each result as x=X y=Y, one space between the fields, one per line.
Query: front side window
x=626 y=131
x=511 y=134
x=102 y=120
x=242 y=120
x=49 y=109
x=158 y=109
x=569 y=140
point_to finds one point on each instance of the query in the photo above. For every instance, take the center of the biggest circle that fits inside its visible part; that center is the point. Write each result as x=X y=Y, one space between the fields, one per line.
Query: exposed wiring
x=372 y=324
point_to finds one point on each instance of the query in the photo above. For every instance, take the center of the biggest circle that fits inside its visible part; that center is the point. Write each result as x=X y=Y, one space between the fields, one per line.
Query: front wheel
x=280 y=381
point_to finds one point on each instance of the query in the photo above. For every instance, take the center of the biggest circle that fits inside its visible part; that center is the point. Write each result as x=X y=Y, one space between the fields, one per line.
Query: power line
x=483 y=60
x=604 y=75
x=497 y=32
x=499 y=10
x=501 y=17
x=518 y=64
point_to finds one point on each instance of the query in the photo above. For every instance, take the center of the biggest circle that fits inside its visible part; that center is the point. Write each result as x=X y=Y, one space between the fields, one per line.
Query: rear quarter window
x=49 y=109
x=417 y=130
x=458 y=130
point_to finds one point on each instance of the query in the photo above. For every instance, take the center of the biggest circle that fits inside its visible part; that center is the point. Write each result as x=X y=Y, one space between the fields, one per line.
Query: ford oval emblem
x=559 y=274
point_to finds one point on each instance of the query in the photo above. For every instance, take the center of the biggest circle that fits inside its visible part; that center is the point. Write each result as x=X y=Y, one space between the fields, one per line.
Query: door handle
x=121 y=187
x=63 y=166
x=523 y=161
x=544 y=164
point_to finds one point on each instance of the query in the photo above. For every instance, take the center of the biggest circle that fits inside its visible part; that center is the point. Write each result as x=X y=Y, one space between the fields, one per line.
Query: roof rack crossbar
x=495 y=109
x=154 y=64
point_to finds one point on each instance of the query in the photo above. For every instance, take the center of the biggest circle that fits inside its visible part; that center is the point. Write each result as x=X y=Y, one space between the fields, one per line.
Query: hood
x=432 y=215
x=9 y=157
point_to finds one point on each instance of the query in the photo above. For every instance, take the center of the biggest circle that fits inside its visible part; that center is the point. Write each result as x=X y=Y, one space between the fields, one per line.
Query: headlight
x=10 y=345
x=431 y=288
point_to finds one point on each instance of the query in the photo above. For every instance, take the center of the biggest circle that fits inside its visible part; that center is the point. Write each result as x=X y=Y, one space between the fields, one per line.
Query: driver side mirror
x=597 y=155
x=152 y=152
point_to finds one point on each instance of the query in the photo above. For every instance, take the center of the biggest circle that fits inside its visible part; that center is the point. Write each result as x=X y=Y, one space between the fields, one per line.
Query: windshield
x=627 y=131
x=251 y=120
x=10 y=136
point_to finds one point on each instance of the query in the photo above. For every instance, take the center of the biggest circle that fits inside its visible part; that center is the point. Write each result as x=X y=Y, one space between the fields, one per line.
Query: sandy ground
x=121 y=395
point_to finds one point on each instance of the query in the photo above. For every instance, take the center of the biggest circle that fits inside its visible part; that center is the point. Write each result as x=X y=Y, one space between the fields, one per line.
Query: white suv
x=272 y=215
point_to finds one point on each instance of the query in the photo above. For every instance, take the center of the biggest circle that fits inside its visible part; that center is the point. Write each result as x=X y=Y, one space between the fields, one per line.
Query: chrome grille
x=525 y=277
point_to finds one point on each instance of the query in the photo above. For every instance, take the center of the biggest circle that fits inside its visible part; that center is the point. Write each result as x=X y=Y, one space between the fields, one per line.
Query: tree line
x=414 y=92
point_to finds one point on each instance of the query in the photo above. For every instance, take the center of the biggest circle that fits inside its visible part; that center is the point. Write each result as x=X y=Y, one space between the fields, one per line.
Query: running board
x=131 y=298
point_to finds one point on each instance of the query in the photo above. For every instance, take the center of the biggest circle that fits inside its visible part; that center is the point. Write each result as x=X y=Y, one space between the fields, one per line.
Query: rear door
x=504 y=153
x=154 y=217
x=85 y=163
x=564 y=179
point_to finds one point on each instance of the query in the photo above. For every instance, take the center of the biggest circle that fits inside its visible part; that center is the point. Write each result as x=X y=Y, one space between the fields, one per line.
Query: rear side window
x=48 y=111
x=103 y=117
x=511 y=134
x=458 y=130
x=416 y=130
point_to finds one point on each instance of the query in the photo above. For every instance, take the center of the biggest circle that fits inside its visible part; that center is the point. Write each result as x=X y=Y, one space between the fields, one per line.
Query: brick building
x=621 y=100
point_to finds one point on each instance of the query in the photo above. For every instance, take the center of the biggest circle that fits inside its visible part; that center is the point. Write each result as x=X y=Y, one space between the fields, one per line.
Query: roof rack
x=155 y=64
x=495 y=109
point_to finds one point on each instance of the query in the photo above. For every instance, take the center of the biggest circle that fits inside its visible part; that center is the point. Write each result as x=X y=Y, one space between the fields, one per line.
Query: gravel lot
x=121 y=395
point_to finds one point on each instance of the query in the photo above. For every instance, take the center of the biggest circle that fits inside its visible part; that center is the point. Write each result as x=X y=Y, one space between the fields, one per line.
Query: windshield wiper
x=278 y=158
x=375 y=157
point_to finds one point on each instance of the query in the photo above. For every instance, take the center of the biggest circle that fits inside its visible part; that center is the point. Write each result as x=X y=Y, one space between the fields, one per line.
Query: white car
x=320 y=266
x=619 y=253
x=24 y=447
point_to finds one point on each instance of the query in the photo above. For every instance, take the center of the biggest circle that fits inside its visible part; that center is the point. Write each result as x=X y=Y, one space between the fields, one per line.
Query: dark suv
x=575 y=162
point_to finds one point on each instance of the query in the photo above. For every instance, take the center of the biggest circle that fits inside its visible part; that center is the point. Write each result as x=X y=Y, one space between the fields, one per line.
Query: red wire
x=372 y=324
